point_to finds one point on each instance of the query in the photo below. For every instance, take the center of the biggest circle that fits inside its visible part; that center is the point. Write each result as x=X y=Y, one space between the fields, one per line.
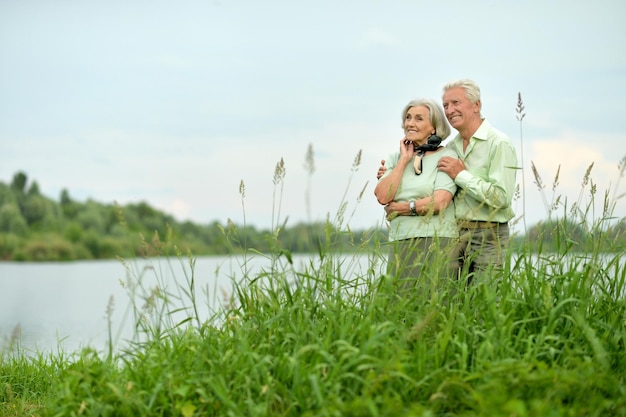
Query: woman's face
x=417 y=126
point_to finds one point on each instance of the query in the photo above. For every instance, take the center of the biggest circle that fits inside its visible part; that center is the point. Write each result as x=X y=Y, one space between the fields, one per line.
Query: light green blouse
x=414 y=187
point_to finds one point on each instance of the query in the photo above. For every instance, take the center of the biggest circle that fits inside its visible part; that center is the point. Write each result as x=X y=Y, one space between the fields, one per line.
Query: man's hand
x=381 y=170
x=451 y=166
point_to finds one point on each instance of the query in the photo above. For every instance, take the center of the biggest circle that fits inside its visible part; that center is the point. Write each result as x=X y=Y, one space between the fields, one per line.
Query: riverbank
x=311 y=340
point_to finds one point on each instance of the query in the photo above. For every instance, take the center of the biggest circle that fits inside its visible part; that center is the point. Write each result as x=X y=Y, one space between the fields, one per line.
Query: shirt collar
x=482 y=131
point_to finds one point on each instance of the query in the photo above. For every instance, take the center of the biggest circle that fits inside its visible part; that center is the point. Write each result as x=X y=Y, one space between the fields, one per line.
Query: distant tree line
x=565 y=235
x=36 y=228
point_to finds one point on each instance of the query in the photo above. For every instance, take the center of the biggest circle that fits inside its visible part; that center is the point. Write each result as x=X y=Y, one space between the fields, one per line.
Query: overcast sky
x=177 y=103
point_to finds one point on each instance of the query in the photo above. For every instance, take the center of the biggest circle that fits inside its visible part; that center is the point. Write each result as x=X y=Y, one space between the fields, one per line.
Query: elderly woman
x=417 y=199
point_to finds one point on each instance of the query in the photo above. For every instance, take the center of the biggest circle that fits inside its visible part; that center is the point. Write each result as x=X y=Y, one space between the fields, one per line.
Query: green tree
x=9 y=245
x=34 y=208
x=19 y=182
x=65 y=197
x=73 y=232
x=77 y=230
x=92 y=217
x=69 y=207
x=11 y=220
x=33 y=189
x=7 y=195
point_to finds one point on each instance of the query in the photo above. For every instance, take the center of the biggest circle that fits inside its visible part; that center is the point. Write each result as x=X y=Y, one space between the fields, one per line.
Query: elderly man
x=485 y=175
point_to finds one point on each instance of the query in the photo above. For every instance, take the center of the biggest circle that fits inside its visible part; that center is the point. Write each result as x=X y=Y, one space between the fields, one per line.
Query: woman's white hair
x=435 y=114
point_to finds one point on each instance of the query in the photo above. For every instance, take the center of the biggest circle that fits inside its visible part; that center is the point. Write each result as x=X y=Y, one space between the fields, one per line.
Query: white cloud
x=571 y=155
x=175 y=106
x=178 y=208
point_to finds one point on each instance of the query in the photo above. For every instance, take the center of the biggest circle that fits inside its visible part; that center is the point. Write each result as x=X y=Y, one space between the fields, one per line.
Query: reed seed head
x=357 y=160
x=538 y=180
x=587 y=174
x=279 y=171
x=520 y=108
x=309 y=161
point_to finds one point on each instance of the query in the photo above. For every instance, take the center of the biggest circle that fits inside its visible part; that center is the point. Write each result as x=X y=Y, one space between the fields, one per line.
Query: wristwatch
x=412 y=208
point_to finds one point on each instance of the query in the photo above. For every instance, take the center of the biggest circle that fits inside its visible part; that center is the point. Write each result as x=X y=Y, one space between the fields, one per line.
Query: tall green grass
x=331 y=337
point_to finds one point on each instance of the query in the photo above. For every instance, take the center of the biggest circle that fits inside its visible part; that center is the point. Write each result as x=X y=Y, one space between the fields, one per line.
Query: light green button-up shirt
x=487 y=184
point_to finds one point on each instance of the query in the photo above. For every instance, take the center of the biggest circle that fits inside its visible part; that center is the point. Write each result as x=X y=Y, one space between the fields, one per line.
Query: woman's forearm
x=433 y=204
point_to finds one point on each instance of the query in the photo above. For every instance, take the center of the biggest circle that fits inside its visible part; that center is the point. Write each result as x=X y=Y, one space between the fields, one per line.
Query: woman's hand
x=381 y=170
x=386 y=188
x=406 y=149
x=395 y=209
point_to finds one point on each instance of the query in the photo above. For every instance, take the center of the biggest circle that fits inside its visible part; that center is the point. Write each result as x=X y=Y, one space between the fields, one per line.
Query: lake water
x=50 y=307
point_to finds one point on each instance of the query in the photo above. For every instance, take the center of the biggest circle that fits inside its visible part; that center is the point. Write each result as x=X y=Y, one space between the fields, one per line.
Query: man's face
x=460 y=111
